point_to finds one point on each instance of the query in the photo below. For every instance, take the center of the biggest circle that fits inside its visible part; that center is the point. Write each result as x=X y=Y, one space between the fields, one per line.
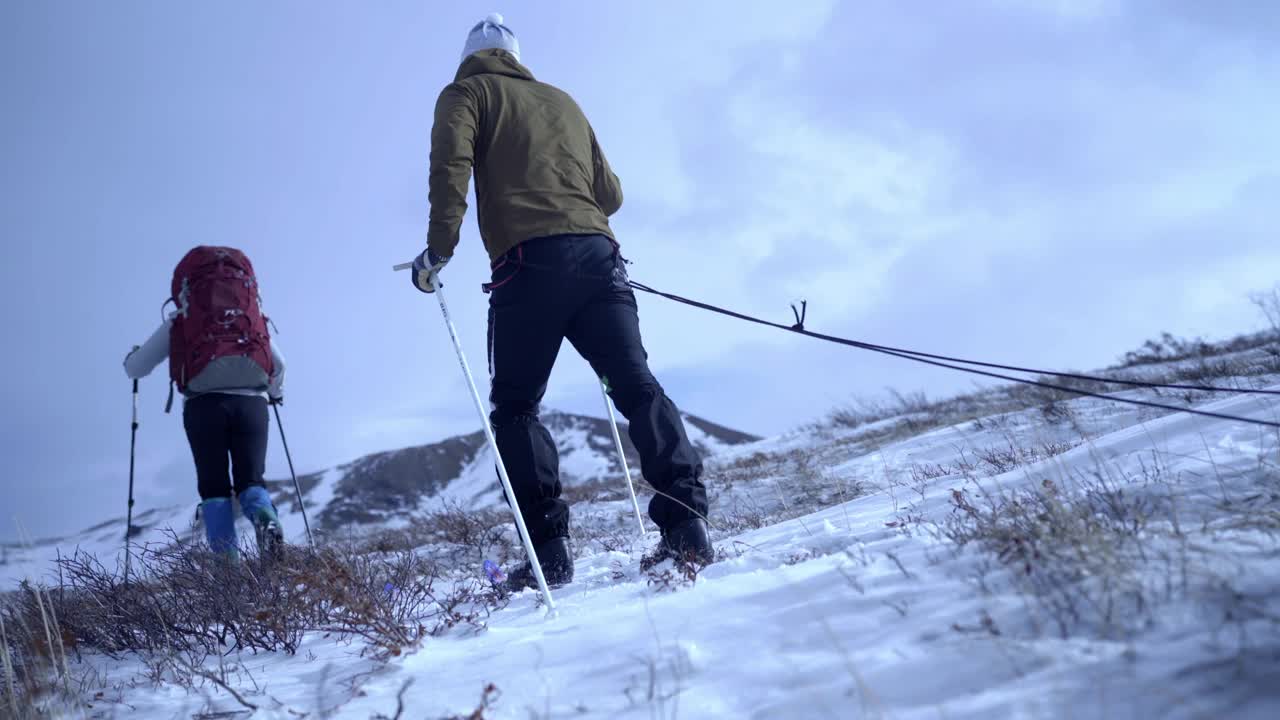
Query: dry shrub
x=1078 y=553
x=598 y=490
x=187 y=601
x=392 y=600
x=1246 y=360
x=489 y=697
x=744 y=470
x=1268 y=303
x=35 y=678
x=451 y=535
x=590 y=538
x=669 y=577
x=864 y=411
x=742 y=514
x=763 y=488
x=1167 y=348
x=990 y=460
x=1000 y=460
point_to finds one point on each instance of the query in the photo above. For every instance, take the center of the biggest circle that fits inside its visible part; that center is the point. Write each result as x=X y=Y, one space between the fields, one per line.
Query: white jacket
x=155 y=350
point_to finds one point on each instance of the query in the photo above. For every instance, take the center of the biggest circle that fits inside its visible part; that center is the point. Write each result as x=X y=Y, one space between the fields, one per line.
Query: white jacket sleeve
x=275 y=389
x=139 y=363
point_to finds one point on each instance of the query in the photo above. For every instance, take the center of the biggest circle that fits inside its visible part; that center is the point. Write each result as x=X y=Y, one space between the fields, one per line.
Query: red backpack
x=219 y=338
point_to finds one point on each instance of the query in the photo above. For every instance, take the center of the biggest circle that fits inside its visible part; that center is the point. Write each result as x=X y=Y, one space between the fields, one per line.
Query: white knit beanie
x=491 y=34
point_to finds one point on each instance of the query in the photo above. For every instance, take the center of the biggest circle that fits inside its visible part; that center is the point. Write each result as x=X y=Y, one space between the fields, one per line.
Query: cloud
x=990 y=181
x=1040 y=182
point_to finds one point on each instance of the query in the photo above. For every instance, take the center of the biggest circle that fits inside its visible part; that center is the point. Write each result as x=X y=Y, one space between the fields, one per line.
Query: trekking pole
x=297 y=488
x=493 y=444
x=622 y=457
x=133 y=446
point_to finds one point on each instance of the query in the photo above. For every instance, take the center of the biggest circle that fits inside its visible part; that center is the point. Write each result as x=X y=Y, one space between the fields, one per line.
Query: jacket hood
x=492 y=62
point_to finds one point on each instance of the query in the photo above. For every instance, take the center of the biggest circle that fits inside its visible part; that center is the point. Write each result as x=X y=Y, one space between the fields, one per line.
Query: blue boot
x=220 y=526
x=255 y=503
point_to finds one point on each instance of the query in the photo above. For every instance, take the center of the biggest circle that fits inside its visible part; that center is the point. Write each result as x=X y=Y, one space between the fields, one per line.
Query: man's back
x=545 y=194
x=539 y=170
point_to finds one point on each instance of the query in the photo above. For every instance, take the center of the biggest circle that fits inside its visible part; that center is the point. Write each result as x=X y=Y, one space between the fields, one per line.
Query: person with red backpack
x=223 y=361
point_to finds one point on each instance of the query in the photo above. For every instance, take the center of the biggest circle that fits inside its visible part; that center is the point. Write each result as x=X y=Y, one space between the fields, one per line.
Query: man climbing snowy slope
x=227 y=367
x=544 y=193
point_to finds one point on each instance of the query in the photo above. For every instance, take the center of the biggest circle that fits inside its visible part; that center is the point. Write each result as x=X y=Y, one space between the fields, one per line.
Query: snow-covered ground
x=34 y=559
x=869 y=607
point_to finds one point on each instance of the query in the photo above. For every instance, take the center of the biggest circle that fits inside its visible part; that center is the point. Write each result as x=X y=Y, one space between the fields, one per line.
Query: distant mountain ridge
x=380 y=486
x=379 y=489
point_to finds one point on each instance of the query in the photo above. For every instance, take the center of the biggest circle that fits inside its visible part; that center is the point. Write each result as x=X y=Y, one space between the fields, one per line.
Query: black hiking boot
x=556 y=559
x=690 y=541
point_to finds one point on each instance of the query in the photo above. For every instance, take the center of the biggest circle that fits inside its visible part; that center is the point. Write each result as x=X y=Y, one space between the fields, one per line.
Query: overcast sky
x=1048 y=183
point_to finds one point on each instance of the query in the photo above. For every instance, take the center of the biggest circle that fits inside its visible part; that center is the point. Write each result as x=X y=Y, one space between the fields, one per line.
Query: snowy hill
x=1009 y=554
x=869 y=609
x=379 y=490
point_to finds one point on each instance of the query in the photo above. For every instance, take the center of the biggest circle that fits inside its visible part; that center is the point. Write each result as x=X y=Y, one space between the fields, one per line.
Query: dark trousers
x=575 y=287
x=228 y=436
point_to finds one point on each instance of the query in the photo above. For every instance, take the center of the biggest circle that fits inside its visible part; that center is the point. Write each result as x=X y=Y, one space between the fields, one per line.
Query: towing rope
x=954 y=363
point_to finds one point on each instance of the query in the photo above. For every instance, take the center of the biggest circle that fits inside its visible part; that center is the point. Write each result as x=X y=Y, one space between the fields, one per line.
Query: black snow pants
x=222 y=427
x=575 y=286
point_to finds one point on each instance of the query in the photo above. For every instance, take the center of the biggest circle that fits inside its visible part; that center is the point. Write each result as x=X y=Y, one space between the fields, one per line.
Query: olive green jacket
x=539 y=170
